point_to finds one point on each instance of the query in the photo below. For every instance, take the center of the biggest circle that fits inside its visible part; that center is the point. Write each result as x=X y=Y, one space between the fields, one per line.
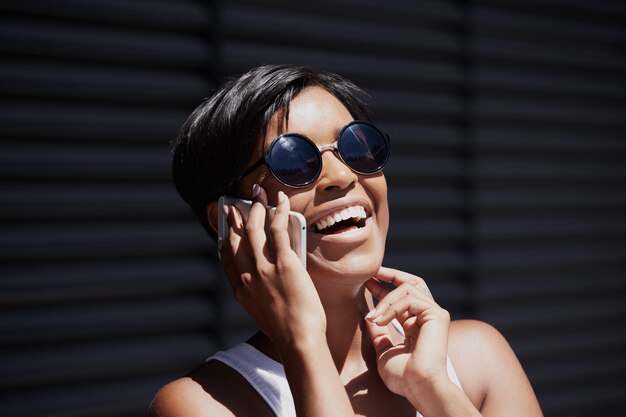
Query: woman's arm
x=489 y=371
x=276 y=290
x=417 y=368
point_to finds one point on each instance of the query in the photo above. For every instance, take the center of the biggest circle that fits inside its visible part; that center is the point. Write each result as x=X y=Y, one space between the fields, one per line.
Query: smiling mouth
x=345 y=220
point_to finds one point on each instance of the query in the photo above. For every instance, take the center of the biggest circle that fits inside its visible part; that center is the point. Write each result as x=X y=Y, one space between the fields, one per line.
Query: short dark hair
x=221 y=136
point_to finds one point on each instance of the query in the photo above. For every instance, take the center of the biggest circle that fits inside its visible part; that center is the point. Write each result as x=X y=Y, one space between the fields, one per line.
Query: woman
x=322 y=348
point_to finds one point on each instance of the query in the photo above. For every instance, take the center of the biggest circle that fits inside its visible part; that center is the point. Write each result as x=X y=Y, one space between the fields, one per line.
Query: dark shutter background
x=506 y=185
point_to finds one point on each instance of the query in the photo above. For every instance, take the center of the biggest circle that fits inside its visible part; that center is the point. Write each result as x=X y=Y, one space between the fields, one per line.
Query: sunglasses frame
x=264 y=160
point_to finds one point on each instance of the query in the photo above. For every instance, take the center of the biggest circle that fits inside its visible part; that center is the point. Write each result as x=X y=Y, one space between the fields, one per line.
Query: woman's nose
x=335 y=174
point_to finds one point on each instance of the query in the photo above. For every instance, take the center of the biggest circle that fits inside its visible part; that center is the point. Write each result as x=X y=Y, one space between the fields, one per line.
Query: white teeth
x=356 y=212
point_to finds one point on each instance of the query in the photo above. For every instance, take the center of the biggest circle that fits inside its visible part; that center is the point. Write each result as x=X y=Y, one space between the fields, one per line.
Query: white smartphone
x=297 y=224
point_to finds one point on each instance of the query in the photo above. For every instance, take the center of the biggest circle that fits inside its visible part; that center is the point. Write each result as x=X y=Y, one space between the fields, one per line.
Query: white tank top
x=268 y=378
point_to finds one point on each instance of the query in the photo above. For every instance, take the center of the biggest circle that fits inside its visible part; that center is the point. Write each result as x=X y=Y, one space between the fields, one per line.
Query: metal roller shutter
x=106 y=283
x=550 y=173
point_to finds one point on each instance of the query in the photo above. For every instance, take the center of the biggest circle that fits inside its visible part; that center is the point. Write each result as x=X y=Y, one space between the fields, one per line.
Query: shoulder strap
x=264 y=374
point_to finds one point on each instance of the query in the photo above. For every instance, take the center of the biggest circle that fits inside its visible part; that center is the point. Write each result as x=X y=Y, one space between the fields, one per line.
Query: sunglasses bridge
x=330 y=147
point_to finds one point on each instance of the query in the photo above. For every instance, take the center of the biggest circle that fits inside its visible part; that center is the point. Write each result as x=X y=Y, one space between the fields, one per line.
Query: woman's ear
x=211 y=214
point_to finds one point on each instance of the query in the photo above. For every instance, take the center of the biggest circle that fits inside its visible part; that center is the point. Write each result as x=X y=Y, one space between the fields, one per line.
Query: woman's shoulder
x=473 y=344
x=213 y=389
x=487 y=367
x=475 y=331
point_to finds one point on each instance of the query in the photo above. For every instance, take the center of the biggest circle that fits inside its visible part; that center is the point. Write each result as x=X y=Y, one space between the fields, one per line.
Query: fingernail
x=371 y=314
x=256 y=189
x=220 y=242
x=281 y=196
x=377 y=319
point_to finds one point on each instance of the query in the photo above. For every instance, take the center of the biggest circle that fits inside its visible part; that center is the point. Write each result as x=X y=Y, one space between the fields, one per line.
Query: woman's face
x=350 y=252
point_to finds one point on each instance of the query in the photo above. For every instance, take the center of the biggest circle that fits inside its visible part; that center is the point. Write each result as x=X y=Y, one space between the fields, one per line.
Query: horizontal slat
x=409 y=260
x=605 y=11
x=501 y=289
x=92 y=83
x=414 y=199
x=124 y=397
x=550 y=170
x=80 y=281
x=575 y=372
x=180 y=16
x=538 y=257
x=105 y=321
x=33 y=367
x=423 y=137
x=426 y=230
x=59 y=120
x=396 y=11
x=358 y=67
x=545 y=29
x=492 y=140
x=564 y=226
x=557 y=312
x=538 y=111
x=600 y=398
x=519 y=55
x=413 y=168
x=522 y=84
x=261 y=24
x=541 y=347
x=95 y=162
x=71 y=200
x=101 y=240
x=401 y=105
x=552 y=197
x=103 y=44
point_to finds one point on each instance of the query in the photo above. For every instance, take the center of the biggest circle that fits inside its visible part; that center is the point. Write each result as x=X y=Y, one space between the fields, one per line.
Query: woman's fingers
x=255 y=231
x=377 y=289
x=411 y=302
x=248 y=239
x=280 y=226
x=381 y=339
x=234 y=254
x=397 y=278
x=259 y=195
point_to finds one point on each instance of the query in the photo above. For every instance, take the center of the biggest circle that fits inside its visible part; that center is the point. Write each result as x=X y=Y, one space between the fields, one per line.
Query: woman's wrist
x=440 y=397
x=313 y=378
x=298 y=344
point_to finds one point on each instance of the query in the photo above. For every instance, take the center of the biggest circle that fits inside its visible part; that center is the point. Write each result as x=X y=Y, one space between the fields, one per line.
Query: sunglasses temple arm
x=231 y=188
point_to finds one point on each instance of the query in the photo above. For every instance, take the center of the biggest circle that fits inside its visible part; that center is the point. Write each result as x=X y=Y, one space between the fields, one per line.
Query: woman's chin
x=351 y=269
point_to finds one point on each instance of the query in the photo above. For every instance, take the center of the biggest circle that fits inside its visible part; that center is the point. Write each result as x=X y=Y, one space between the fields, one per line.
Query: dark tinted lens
x=294 y=160
x=363 y=148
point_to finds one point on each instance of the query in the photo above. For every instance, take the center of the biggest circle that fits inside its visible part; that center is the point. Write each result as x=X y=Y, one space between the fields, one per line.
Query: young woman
x=322 y=349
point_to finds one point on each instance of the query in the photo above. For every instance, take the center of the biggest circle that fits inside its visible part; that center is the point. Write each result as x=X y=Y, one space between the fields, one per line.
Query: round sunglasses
x=296 y=161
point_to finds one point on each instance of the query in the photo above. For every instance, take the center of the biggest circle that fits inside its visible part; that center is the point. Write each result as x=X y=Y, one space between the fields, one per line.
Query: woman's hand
x=267 y=276
x=412 y=366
